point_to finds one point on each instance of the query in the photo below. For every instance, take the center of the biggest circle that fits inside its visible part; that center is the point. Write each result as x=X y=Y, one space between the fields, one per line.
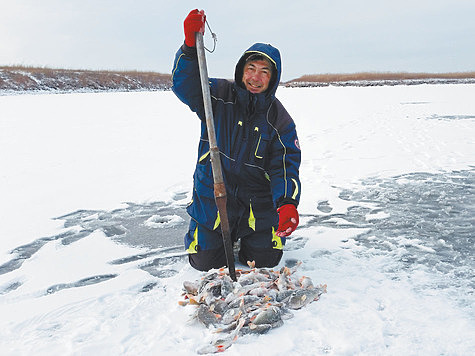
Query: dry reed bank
x=21 y=79
x=381 y=78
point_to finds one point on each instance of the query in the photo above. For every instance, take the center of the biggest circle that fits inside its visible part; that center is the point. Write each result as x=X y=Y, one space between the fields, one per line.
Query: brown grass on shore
x=44 y=78
x=47 y=70
x=370 y=76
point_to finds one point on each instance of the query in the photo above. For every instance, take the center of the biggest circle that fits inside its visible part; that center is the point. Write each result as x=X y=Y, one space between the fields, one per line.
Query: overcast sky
x=314 y=36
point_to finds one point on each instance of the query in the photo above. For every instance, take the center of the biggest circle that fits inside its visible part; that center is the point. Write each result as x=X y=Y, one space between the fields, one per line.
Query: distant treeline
x=26 y=79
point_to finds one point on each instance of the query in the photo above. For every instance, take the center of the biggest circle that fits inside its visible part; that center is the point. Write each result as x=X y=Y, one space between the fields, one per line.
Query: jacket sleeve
x=186 y=79
x=285 y=157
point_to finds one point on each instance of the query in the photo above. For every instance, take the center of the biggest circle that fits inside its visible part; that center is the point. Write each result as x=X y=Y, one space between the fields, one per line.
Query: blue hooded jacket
x=257 y=140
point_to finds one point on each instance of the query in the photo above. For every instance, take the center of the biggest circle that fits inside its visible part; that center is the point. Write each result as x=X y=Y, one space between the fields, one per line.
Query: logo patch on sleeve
x=297 y=144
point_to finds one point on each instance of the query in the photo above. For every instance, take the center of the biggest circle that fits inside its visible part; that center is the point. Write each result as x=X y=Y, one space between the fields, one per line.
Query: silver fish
x=284 y=295
x=259 y=301
x=269 y=315
x=306 y=282
x=231 y=315
x=206 y=316
x=227 y=286
x=246 y=299
x=263 y=291
x=303 y=297
x=256 y=329
x=219 y=306
x=261 y=328
x=222 y=344
x=191 y=287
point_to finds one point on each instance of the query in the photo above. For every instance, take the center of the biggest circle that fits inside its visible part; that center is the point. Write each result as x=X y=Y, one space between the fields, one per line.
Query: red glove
x=194 y=22
x=288 y=220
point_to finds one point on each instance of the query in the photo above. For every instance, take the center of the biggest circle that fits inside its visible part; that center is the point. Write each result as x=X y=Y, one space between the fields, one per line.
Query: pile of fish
x=260 y=300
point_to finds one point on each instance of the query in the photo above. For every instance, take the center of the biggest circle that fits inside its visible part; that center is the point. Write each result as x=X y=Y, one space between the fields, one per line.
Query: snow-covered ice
x=93 y=192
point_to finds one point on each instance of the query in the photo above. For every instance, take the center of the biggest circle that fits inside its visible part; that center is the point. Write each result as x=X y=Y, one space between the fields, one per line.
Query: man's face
x=256 y=76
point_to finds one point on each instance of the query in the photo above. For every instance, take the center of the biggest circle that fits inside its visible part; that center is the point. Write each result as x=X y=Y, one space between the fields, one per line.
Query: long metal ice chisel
x=219 y=187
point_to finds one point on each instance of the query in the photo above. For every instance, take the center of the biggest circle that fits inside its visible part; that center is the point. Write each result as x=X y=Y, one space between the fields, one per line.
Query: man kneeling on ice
x=259 y=150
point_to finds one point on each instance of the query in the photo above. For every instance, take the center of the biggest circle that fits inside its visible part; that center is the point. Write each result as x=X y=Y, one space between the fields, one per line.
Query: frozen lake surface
x=94 y=189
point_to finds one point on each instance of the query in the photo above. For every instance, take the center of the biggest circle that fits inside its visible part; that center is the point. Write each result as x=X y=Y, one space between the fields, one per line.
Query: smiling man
x=257 y=73
x=260 y=156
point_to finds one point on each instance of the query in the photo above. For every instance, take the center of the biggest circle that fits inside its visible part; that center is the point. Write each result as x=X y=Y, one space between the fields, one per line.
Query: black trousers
x=254 y=225
x=207 y=259
x=261 y=246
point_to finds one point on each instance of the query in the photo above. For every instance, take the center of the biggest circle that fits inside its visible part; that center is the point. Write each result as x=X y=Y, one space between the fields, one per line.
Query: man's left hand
x=288 y=220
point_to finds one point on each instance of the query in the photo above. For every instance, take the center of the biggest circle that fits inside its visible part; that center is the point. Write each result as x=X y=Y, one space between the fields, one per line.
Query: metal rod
x=219 y=188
